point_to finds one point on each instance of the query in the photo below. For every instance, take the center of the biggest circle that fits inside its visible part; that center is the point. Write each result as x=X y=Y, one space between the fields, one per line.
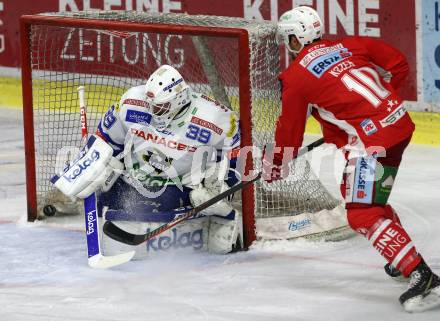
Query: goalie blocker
x=95 y=167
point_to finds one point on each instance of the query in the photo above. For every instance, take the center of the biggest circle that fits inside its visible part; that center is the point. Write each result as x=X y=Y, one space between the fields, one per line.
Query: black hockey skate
x=394 y=273
x=423 y=291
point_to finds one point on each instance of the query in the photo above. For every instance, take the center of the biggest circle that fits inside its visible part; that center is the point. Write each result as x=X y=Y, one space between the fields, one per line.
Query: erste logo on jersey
x=321 y=64
x=320 y=59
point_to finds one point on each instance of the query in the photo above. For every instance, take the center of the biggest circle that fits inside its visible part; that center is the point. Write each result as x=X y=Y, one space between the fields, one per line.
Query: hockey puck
x=49 y=210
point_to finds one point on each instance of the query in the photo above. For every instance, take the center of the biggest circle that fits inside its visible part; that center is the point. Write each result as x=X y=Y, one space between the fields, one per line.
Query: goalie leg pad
x=191 y=235
x=225 y=234
x=137 y=214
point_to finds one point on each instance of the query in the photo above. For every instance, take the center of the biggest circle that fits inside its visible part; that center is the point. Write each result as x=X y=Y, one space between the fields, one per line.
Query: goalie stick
x=118 y=234
x=95 y=257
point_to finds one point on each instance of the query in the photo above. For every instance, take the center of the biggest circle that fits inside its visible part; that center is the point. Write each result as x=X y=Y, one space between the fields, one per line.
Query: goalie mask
x=166 y=94
x=302 y=22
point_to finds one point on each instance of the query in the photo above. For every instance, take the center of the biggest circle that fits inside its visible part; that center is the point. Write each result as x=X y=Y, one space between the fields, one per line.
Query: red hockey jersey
x=349 y=86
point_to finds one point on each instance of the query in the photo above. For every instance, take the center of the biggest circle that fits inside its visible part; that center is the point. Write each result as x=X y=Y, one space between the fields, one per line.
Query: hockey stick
x=95 y=257
x=118 y=234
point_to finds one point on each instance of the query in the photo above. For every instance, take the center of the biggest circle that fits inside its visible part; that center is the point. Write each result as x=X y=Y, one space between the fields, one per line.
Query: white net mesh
x=109 y=62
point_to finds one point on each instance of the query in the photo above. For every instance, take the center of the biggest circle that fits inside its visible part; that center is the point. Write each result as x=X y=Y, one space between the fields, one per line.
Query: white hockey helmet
x=166 y=94
x=302 y=22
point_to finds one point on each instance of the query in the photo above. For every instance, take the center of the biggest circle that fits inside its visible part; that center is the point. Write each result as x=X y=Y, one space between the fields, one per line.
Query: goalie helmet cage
x=233 y=60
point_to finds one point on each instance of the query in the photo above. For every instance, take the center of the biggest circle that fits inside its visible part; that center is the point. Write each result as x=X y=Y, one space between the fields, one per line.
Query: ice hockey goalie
x=164 y=147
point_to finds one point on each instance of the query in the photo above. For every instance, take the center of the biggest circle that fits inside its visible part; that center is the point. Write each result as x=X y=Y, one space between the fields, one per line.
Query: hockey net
x=232 y=60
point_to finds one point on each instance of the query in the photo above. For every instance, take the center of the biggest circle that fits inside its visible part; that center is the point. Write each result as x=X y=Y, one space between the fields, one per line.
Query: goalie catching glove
x=95 y=167
x=226 y=226
x=212 y=185
x=204 y=193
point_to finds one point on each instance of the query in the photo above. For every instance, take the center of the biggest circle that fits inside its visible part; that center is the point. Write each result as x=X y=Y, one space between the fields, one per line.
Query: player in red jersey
x=350 y=87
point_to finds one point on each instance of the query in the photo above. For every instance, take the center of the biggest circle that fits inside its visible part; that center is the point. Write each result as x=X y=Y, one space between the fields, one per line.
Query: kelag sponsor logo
x=321 y=64
x=138 y=117
x=91 y=222
x=299 y=225
x=79 y=167
x=192 y=239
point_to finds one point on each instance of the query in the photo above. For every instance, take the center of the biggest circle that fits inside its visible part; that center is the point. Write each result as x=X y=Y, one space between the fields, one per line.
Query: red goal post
x=232 y=60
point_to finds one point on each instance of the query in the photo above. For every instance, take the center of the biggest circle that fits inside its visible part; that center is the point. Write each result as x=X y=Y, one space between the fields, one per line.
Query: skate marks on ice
x=44 y=276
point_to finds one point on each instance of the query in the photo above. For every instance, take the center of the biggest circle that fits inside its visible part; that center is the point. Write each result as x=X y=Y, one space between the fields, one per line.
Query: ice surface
x=44 y=273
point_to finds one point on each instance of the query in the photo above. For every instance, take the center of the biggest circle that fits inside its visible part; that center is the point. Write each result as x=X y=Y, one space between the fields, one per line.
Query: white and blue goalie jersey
x=156 y=158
